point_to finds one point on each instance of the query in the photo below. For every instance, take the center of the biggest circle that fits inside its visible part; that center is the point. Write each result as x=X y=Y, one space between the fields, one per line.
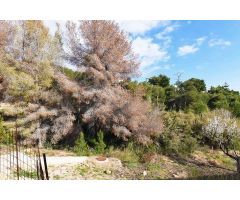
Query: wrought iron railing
x=21 y=160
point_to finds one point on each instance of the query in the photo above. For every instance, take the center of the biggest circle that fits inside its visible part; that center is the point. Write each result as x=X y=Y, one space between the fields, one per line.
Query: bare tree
x=222 y=129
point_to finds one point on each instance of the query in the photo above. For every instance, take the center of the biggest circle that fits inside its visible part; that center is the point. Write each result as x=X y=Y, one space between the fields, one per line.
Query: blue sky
x=208 y=50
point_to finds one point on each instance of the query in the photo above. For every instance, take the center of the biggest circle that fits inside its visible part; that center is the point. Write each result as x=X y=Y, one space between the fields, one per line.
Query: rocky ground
x=198 y=166
x=86 y=168
x=64 y=165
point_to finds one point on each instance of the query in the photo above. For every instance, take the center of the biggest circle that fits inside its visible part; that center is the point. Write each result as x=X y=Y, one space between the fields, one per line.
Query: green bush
x=236 y=109
x=127 y=155
x=20 y=84
x=4 y=133
x=179 y=133
x=199 y=107
x=81 y=147
x=73 y=75
x=99 y=144
x=188 y=145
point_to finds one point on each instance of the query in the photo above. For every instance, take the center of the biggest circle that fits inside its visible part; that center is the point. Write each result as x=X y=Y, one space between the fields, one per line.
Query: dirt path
x=60 y=160
x=82 y=168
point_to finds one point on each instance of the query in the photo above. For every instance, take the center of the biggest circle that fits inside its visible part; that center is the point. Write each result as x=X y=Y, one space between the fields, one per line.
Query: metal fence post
x=16 y=146
x=45 y=166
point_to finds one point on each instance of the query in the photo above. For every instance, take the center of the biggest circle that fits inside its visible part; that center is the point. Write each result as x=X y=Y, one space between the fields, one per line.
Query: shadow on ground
x=207 y=171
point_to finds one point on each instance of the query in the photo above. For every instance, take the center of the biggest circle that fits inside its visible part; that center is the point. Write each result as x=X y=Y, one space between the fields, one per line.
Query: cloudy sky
x=209 y=50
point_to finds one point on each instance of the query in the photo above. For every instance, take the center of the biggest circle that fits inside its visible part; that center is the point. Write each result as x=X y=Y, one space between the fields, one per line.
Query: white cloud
x=169 y=28
x=165 y=40
x=200 y=41
x=190 y=49
x=149 y=51
x=141 y=27
x=218 y=42
x=165 y=34
x=187 y=49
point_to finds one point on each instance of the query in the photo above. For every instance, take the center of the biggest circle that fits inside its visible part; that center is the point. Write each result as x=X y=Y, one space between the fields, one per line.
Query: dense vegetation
x=188 y=96
x=97 y=108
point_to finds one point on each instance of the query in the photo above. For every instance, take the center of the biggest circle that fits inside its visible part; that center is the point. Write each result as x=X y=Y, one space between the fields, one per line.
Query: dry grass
x=58 y=153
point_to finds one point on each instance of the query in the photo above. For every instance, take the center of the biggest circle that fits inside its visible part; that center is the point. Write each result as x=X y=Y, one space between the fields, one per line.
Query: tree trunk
x=238 y=164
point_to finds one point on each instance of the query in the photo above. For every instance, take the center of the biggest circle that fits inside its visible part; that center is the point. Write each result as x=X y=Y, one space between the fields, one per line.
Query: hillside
x=150 y=130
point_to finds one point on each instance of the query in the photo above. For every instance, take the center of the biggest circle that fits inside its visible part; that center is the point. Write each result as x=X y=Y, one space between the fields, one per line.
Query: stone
x=108 y=172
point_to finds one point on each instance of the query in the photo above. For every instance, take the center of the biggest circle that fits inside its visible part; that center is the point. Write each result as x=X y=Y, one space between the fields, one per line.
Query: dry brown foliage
x=105 y=54
x=52 y=124
x=3 y=33
x=102 y=51
x=62 y=125
x=115 y=110
x=104 y=44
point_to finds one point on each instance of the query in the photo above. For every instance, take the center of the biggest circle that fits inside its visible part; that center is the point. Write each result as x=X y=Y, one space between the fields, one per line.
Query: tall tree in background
x=4 y=36
x=56 y=51
x=161 y=80
x=29 y=41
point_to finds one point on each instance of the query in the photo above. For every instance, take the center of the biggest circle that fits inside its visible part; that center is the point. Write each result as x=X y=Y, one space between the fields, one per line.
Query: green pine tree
x=81 y=147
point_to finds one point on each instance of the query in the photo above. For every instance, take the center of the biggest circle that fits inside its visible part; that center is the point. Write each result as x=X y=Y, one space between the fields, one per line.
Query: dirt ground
x=64 y=165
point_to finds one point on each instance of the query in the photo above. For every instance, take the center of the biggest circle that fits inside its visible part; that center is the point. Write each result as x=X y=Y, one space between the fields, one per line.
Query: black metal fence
x=21 y=160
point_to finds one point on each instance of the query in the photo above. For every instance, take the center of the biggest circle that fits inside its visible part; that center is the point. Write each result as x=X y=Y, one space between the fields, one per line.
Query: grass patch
x=194 y=172
x=27 y=174
x=156 y=171
x=82 y=170
x=127 y=156
x=56 y=177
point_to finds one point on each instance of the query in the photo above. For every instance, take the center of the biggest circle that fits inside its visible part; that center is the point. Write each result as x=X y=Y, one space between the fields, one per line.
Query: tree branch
x=227 y=153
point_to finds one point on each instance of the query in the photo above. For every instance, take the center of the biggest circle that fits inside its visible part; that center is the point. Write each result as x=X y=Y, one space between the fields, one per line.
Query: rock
x=180 y=175
x=108 y=172
x=144 y=173
x=108 y=163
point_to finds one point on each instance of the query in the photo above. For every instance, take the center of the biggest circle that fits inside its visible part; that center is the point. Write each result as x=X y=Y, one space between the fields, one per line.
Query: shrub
x=72 y=75
x=236 y=109
x=20 y=84
x=179 y=134
x=199 y=107
x=127 y=155
x=99 y=144
x=4 y=133
x=81 y=147
x=188 y=145
x=45 y=75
